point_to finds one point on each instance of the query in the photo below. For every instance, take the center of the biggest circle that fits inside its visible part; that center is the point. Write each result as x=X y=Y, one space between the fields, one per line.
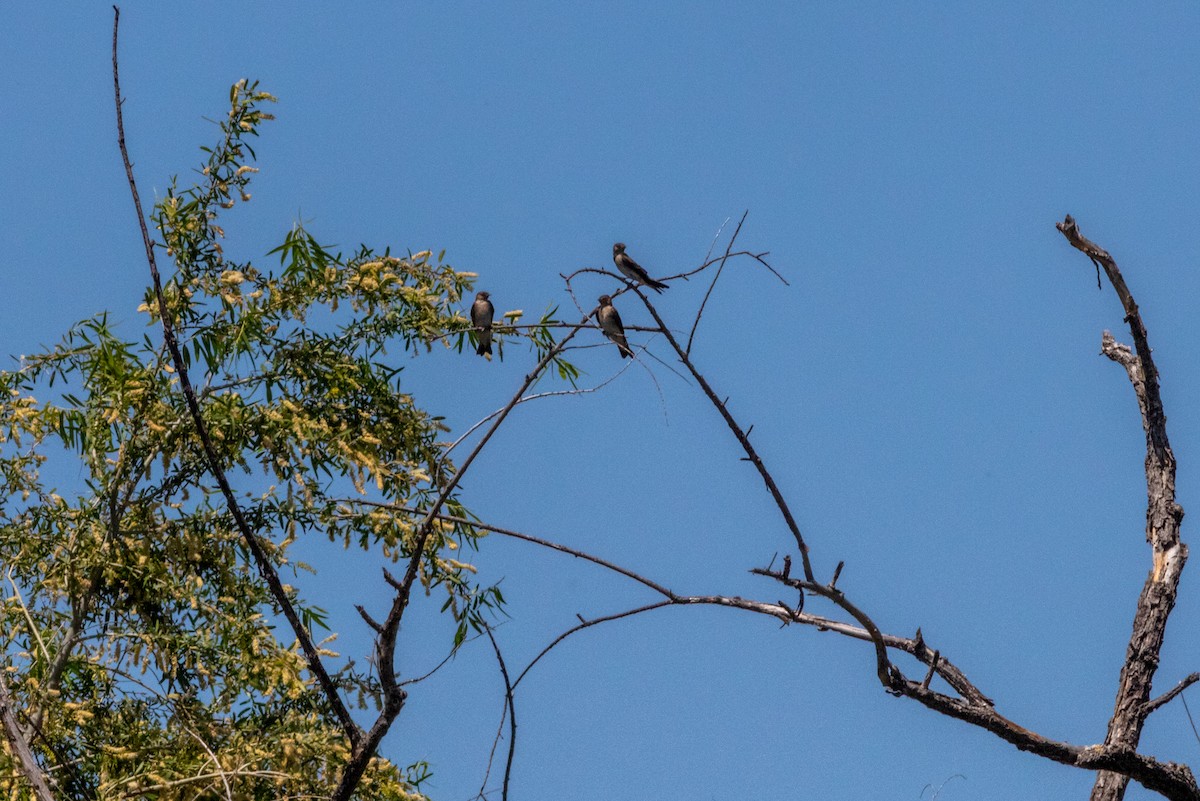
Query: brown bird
x=610 y=324
x=632 y=270
x=482 y=312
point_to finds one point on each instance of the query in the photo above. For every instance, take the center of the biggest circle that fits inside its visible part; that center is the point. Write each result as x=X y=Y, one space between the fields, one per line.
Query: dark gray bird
x=632 y=270
x=610 y=324
x=482 y=312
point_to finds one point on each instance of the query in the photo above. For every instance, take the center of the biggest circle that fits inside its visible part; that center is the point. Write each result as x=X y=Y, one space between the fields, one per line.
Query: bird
x=482 y=312
x=632 y=270
x=610 y=324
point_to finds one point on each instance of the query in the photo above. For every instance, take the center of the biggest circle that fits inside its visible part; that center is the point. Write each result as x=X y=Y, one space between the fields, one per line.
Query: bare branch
x=1163 y=518
x=521 y=536
x=751 y=454
x=713 y=284
x=1169 y=695
x=587 y=624
x=973 y=706
x=538 y=396
x=886 y=672
x=512 y=712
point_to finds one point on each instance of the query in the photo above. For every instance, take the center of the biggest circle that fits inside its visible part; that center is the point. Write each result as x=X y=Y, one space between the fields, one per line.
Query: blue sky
x=927 y=391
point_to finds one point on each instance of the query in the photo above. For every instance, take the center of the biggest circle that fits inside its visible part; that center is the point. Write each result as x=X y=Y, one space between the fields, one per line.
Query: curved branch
x=512 y=712
x=973 y=707
x=587 y=624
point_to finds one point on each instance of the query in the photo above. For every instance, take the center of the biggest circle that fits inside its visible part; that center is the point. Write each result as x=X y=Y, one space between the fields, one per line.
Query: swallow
x=482 y=312
x=632 y=270
x=610 y=324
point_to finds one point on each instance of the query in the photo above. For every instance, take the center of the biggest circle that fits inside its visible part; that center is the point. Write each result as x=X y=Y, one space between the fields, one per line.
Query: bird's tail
x=657 y=286
x=485 y=346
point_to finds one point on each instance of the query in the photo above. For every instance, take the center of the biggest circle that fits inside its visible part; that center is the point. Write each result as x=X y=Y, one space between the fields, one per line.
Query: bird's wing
x=633 y=266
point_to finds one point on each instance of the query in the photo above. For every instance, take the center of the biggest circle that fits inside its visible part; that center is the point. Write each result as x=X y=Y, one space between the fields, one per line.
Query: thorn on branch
x=787 y=566
x=919 y=645
x=581 y=619
x=748 y=430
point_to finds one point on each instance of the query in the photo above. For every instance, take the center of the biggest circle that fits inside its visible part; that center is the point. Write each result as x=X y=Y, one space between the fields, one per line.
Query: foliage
x=137 y=635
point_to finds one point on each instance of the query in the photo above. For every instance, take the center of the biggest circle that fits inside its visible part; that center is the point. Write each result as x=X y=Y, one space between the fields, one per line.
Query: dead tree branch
x=1169 y=695
x=972 y=706
x=1163 y=518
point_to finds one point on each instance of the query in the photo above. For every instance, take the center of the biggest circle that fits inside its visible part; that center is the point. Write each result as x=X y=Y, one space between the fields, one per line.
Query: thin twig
x=220 y=768
x=739 y=434
x=1168 y=696
x=1191 y=722
x=518 y=535
x=512 y=712
x=538 y=396
x=712 y=284
x=586 y=624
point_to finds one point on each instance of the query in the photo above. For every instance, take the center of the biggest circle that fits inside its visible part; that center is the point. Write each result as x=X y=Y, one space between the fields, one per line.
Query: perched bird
x=610 y=324
x=632 y=270
x=482 y=312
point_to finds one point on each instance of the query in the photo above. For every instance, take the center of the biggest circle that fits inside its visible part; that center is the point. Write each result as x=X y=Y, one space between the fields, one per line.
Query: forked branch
x=1163 y=518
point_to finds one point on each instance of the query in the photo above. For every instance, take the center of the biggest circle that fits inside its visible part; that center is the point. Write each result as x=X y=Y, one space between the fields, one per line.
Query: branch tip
x=837 y=572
